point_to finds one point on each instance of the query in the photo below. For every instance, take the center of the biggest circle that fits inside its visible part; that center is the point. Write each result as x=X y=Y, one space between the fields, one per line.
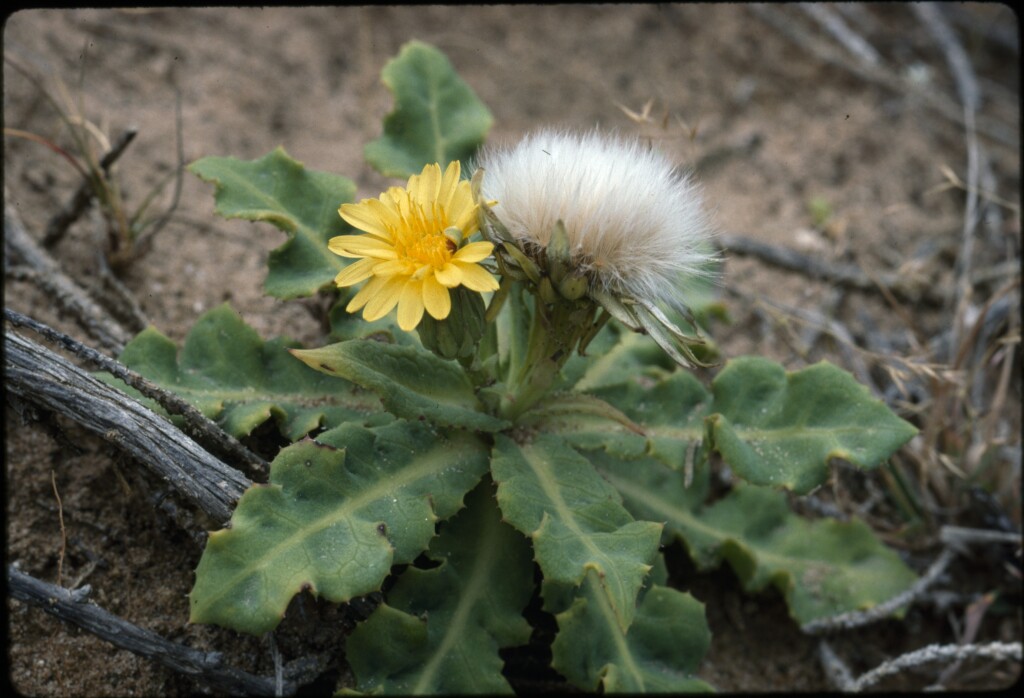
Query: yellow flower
x=411 y=252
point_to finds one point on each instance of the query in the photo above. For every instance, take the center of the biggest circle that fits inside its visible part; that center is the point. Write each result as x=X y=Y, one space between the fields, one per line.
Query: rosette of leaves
x=398 y=459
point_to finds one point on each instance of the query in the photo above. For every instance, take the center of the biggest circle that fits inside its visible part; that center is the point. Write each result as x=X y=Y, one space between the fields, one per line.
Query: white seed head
x=635 y=225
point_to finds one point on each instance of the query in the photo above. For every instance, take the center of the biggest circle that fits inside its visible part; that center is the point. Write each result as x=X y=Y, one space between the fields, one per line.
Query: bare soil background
x=841 y=160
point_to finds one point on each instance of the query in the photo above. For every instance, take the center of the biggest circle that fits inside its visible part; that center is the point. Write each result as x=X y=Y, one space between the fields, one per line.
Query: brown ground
x=771 y=127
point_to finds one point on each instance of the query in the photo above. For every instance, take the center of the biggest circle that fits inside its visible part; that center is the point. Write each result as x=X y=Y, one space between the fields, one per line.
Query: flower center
x=433 y=249
x=421 y=242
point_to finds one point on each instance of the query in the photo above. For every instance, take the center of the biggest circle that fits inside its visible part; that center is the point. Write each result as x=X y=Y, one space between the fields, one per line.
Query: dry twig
x=939 y=103
x=197 y=424
x=51 y=279
x=206 y=667
x=970 y=97
x=146 y=238
x=960 y=537
x=63 y=531
x=834 y=24
x=85 y=193
x=836 y=671
x=852 y=353
x=124 y=300
x=856 y=619
x=40 y=376
x=998 y=651
x=846 y=275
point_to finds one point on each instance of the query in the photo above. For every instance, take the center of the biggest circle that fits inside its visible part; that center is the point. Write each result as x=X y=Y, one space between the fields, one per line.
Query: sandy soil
x=769 y=128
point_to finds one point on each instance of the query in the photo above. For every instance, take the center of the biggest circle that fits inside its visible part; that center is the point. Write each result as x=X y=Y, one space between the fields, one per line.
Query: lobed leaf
x=575 y=519
x=822 y=568
x=659 y=654
x=782 y=429
x=437 y=117
x=615 y=355
x=587 y=423
x=232 y=375
x=441 y=628
x=302 y=203
x=336 y=514
x=661 y=415
x=412 y=382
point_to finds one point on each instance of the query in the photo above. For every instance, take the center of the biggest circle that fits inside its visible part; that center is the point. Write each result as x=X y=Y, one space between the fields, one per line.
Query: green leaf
x=441 y=628
x=661 y=415
x=576 y=521
x=823 y=567
x=782 y=429
x=616 y=354
x=232 y=375
x=412 y=382
x=345 y=325
x=659 y=654
x=302 y=203
x=437 y=117
x=334 y=517
x=651 y=491
x=587 y=422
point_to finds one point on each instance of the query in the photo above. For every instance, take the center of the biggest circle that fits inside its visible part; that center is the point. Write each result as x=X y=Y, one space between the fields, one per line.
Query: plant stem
x=555 y=331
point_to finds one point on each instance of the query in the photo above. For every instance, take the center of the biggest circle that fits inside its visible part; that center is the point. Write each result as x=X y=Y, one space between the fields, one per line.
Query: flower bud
x=457 y=336
x=559 y=255
x=573 y=287
x=546 y=291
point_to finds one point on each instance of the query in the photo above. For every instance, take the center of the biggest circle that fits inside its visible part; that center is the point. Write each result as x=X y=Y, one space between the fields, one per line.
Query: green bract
x=453 y=477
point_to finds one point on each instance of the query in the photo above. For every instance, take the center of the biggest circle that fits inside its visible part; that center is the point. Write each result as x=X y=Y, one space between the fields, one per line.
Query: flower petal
x=476 y=278
x=465 y=216
x=392 y=267
x=385 y=299
x=449 y=275
x=355 y=272
x=436 y=299
x=361 y=246
x=449 y=184
x=388 y=215
x=364 y=295
x=423 y=187
x=410 y=305
x=393 y=196
x=474 y=252
x=365 y=217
